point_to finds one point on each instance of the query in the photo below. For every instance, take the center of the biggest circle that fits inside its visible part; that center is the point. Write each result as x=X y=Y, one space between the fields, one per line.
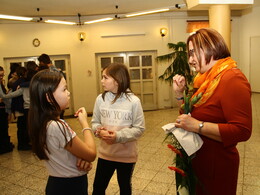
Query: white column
x=220 y=20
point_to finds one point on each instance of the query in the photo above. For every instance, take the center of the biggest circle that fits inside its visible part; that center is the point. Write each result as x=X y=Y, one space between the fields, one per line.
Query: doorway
x=62 y=62
x=141 y=66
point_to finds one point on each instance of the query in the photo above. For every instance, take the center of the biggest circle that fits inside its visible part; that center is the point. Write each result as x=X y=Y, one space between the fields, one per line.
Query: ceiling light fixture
x=59 y=22
x=177 y=6
x=148 y=12
x=8 y=17
x=98 y=20
x=79 y=15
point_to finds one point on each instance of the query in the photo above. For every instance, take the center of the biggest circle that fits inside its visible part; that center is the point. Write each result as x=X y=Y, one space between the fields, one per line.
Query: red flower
x=180 y=171
x=174 y=149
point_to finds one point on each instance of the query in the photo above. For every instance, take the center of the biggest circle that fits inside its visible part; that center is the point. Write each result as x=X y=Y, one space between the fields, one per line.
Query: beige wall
x=16 y=41
x=249 y=27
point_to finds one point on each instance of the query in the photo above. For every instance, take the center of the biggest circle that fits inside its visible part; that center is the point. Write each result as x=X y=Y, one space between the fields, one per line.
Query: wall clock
x=36 y=42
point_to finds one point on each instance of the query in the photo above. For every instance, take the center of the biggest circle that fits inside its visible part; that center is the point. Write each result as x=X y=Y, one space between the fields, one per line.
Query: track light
x=98 y=20
x=148 y=12
x=59 y=22
x=179 y=6
x=8 y=17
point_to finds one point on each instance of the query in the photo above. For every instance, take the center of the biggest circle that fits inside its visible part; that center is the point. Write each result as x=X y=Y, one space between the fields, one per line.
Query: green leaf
x=178 y=63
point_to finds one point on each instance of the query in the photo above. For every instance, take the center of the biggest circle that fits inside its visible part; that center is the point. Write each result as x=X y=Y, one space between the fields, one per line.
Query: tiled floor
x=21 y=173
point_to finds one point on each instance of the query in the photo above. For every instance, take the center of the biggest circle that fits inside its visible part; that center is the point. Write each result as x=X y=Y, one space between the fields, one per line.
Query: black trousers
x=104 y=172
x=5 y=144
x=67 y=186
x=22 y=130
x=3 y=125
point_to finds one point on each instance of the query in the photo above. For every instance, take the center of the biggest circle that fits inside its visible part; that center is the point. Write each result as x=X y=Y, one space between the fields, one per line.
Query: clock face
x=36 y=42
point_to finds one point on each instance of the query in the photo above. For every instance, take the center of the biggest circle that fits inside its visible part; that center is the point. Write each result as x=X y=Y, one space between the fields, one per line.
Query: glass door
x=62 y=62
x=141 y=67
x=104 y=60
x=142 y=74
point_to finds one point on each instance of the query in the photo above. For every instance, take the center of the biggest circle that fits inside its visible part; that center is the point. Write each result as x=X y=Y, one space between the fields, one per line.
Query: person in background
x=32 y=69
x=222 y=116
x=45 y=63
x=12 y=76
x=23 y=90
x=17 y=107
x=66 y=156
x=5 y=144
x=12 y=80
x=118 y=121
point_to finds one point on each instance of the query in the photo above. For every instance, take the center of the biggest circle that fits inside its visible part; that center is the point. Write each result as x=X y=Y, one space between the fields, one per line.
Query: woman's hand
x=103 y=133
x=110 y=137
x=188 y=123
x=82 y=117
x=178 y=85
x=81 y=112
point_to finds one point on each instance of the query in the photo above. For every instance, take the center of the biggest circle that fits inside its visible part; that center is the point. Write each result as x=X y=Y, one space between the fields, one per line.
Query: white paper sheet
x=190 y=142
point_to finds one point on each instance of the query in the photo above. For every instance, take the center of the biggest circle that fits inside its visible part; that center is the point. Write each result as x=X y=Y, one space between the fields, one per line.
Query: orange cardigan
x=216 y=163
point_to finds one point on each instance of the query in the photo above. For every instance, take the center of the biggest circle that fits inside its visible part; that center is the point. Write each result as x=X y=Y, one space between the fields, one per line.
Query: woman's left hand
x=187 y=123
x=110 y=138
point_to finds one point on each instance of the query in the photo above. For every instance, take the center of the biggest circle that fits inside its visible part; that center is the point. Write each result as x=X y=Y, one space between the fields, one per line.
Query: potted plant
x=179 y=63
x=184 y=175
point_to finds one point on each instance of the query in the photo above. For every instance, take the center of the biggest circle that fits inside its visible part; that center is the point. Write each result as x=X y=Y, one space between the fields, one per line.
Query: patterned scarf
x=207 y=82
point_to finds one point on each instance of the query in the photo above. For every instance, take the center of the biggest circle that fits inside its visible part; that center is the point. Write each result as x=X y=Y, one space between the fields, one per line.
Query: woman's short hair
x=211 y=42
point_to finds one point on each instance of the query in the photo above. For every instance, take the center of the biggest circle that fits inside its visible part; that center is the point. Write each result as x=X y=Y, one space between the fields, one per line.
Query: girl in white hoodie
x=118 y=121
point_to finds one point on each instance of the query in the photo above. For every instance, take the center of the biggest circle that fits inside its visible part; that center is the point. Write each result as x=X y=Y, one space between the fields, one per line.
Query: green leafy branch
x=179 y=63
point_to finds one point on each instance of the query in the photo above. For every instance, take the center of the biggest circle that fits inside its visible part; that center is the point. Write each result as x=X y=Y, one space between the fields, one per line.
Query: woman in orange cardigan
x=222 y=116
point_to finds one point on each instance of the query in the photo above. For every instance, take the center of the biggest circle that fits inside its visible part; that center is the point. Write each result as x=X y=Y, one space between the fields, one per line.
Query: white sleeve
x=138 y=125
x=13 y=94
